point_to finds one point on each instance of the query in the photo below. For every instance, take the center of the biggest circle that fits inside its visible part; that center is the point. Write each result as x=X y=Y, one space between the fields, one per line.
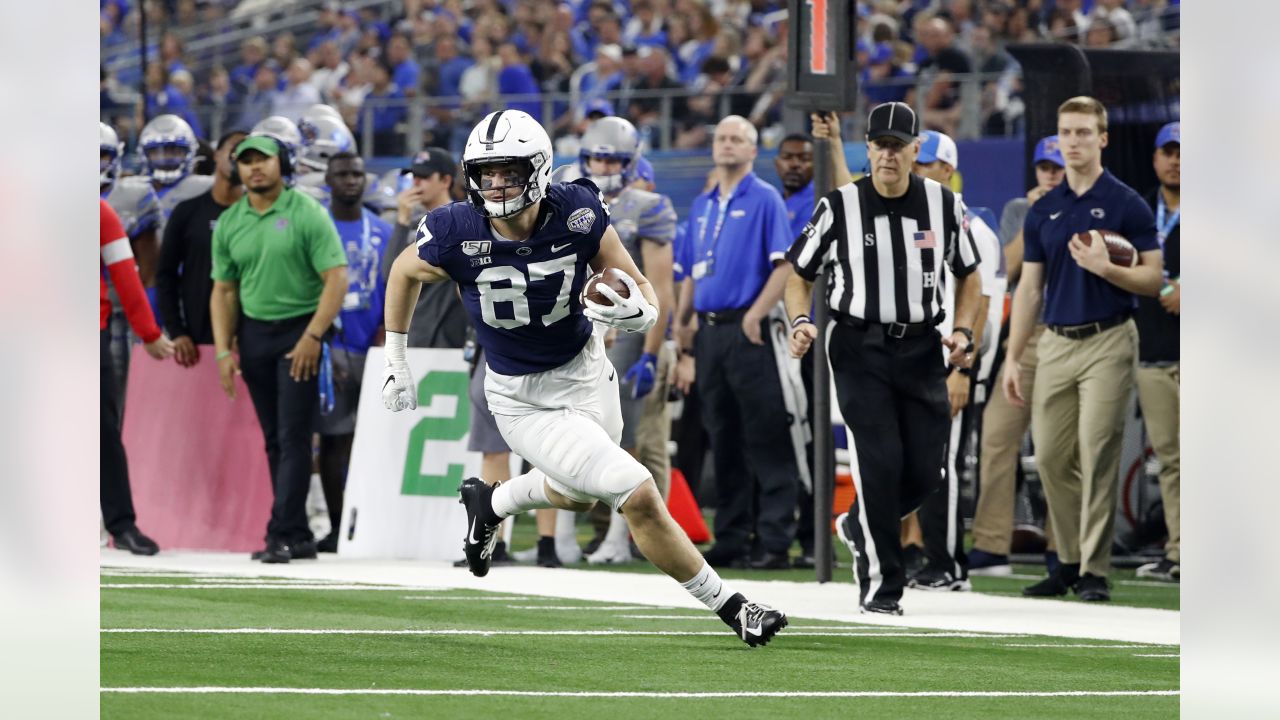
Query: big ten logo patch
x=443 y=396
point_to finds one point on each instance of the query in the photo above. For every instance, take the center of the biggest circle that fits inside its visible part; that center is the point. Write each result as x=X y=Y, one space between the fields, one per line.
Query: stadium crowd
x=207 y=63
x=307 y=93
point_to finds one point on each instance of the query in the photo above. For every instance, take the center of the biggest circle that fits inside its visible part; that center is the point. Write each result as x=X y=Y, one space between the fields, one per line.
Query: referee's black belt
x=893 y=330
x=722 y=317
x=1080 y=332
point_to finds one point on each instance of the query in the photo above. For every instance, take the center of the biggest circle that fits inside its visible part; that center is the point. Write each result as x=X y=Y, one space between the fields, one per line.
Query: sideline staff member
x=1087 y=359
x=277 y=257
x=882 y=242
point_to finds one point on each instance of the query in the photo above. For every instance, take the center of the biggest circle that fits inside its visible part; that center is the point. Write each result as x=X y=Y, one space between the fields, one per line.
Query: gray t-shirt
x=639 y=214
x=1011 y=219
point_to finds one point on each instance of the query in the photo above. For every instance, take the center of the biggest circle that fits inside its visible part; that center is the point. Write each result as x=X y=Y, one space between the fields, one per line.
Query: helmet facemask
x=521 y=176
x=610 y=184
x=168 y=161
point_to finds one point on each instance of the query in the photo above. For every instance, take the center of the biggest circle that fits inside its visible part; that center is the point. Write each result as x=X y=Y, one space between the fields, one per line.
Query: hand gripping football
x=1119 y=249
x=612 y=277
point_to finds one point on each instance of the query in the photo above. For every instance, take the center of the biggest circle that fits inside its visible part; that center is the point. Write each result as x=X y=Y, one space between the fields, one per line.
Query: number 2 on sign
x=817 y=36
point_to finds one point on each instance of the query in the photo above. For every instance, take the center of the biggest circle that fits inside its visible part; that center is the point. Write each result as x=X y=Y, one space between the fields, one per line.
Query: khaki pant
x=1003 y=427
x=1077 y=420
x=1158 y=393
x=654 y=431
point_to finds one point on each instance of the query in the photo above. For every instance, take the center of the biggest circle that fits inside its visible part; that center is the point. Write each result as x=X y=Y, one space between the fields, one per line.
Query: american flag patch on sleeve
x=925 y=240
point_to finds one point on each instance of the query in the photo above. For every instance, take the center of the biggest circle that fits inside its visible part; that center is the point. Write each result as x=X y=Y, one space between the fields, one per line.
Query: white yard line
x=474 y=598
x=1157 y=656
x=654 y=695
x=965 y=612
x=245 y=586
x=839 y=632
x=1081 y=645
x=579 y=607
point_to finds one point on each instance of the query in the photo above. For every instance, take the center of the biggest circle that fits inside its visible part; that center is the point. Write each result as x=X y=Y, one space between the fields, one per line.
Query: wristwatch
x=968 y=334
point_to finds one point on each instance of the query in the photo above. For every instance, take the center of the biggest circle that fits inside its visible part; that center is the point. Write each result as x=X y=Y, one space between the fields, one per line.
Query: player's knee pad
x=616 y=475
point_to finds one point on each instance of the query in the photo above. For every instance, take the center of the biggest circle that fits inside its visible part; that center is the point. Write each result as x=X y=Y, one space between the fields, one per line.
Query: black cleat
x=936 y=578
x=481 y=537
x=756 y=623
x=882 y=607
x=135 y=542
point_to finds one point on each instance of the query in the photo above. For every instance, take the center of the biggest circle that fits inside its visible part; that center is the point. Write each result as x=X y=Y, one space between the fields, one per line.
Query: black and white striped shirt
x=883 y=256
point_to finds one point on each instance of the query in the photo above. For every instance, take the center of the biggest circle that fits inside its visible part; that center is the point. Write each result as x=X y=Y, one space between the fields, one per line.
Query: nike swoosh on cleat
x=752 y=631
x=474 y=540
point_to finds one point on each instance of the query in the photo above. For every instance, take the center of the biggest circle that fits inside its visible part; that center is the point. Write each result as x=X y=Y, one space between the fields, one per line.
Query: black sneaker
x=547 y=557
x=1054 y=585
x=756 y=623
x=276 y=552
x=1092 y=588
x=1166 y=570
x=135 y=542
x=329 y=543
x=481 y=536
x=935 y=578
x=772 y=561
x=721 y=556
x=882 y=607
x=303 y=550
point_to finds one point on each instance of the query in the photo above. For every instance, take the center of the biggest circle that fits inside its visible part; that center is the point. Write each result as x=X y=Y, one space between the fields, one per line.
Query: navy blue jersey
x=523 y=297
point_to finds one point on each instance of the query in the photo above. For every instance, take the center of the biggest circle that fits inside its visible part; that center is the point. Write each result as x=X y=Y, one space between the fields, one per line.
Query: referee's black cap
x=894 y=119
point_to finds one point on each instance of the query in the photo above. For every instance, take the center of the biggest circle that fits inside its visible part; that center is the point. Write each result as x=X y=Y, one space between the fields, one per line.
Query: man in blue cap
x=1003 y=423
x=1158 y=357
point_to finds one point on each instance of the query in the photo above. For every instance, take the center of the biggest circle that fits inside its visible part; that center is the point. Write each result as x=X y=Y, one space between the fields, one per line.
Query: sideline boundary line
x=538 y=633
x=654 y=695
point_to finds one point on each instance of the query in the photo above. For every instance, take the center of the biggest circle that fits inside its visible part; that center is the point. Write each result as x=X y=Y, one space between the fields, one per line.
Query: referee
x=882 y=242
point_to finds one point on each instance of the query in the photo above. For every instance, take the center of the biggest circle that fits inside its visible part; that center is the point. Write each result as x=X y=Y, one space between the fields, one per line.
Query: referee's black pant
x=288 y=412
x=115 y=495
x=746 y=422
x=893 y=396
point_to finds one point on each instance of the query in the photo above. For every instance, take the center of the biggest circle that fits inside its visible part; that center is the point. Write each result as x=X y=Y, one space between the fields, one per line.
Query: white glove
x=632 y=313
x=398 y=389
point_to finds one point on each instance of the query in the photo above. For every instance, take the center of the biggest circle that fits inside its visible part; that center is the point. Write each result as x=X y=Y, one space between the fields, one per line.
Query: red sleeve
x=117 y=256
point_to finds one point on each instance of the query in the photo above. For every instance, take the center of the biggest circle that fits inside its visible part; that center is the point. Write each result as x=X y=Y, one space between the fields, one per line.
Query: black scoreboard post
x=822 y=76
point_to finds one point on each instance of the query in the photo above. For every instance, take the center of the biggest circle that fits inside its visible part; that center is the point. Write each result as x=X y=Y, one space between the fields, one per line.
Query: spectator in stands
x=244 y=77
x=349 y=31
x=279 y=274
x=606 y=77
x=257 y=103
x=364 y=236
x=218 y=98
x=1101 y=32
x=116 y=497
x=386 y=111
x=943 y=60
x=1062 y=26
x=444 y=73
x=182 y=281
x=284 y=50
x=586 y=35
x=515 y=78
x=171 y=53
x=697 y=38
x=646 y=112
x=645 y=28
x=330 y=69
x=1020 y=27
x=349 y=94
x=327 y=29
x=405 y=69
x=163 y=97
x=298 y=94
x=884 y=80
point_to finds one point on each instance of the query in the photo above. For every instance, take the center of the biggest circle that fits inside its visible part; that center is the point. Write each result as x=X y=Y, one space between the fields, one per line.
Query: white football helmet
x=508 y=136
x=323 y=135
x=168 y=149
x=284 y=130
x=110 y=156
x=611 y=138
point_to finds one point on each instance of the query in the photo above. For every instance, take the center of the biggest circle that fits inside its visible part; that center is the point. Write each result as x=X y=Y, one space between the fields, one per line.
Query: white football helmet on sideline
x=283 y=130
x=110 y=155
x=507 y=136
x=324 y=134
x=168 y=149
x=610 y=138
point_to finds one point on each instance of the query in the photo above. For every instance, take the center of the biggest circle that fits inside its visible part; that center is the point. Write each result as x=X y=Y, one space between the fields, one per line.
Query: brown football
x=1119 y=248
x=609 y=276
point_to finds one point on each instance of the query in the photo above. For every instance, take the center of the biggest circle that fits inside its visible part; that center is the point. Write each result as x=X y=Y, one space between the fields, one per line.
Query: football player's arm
x=146 y=249
x=404 y=283
x=657 y=261
x=613 y=254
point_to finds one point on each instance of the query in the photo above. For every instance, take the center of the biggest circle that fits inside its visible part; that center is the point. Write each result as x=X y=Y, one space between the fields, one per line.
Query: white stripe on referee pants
x=952 y=479
x=874 y=577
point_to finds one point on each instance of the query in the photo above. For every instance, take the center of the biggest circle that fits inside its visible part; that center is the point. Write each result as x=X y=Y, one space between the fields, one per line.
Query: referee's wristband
x=801 y=319
x=223 y=354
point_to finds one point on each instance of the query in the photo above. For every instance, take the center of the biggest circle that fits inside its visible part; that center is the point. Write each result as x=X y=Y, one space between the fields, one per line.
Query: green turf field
x=362 y=653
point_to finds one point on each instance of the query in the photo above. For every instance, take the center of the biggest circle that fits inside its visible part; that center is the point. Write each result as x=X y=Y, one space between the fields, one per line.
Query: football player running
x=520 y=250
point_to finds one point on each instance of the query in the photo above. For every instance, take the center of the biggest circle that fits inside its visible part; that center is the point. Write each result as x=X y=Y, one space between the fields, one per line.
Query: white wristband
x=396 y=344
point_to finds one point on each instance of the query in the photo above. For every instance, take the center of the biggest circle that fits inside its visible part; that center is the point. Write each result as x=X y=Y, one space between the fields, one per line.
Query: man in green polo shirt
x=279 y=274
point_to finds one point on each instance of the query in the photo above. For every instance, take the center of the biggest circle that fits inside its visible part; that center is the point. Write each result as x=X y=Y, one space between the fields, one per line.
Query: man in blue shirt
x=1087 y=357
x=385 y=112
x=738 y=237
x=364 y=236
x=405 y=69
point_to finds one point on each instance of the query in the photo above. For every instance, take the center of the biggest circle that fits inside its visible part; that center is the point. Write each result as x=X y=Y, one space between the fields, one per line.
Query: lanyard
x=1163 y=228
x=365 y=233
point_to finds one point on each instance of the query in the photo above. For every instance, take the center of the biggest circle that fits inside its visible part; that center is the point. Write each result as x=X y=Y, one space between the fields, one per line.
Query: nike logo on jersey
x=558 y=248
x=1055 y=215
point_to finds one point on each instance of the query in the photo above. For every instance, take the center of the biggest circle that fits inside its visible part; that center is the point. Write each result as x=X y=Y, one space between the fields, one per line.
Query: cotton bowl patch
x=581 y=220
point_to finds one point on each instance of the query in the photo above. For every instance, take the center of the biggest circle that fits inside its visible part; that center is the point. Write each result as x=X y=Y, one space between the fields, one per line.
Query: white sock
x=565 y=526
x=708 y=588
x=521 y=494
x=618 y=530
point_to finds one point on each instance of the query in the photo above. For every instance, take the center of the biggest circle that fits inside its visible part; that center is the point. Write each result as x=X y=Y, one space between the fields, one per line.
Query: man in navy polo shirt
x=735 y=268
x=1088 y=354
